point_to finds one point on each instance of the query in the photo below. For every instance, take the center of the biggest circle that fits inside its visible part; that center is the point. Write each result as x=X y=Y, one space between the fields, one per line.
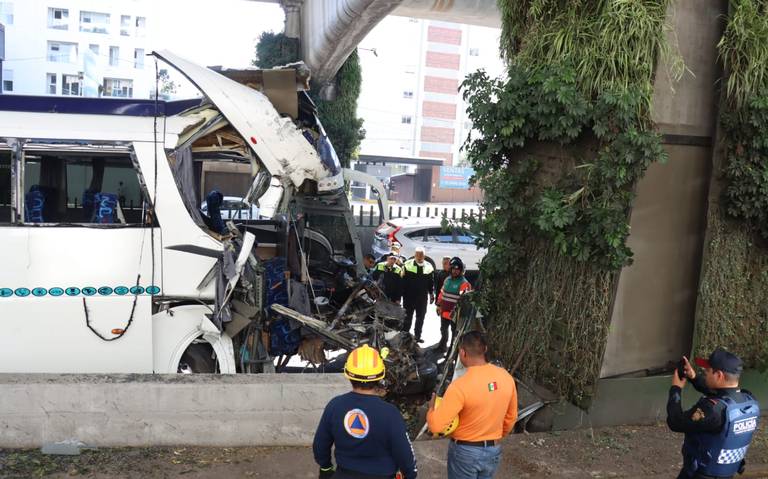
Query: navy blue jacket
x=369 y=435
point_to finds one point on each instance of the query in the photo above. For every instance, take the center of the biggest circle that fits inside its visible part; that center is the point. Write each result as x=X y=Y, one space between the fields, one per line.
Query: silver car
x=429 y=234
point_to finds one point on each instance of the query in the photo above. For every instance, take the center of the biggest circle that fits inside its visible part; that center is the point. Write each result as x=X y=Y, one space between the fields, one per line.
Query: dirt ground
x=639 y=451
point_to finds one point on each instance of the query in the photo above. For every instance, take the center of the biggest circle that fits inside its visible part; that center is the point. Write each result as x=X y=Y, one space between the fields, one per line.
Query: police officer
x=720 y=426
x=389 y=274
x=369 y=433
x=418 y=284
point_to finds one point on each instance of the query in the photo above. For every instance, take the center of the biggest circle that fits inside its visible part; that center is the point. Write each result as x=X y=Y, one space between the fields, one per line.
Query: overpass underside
x=329 y=30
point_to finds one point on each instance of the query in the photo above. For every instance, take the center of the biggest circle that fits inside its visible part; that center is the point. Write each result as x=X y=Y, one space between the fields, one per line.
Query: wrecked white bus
x=109 y=266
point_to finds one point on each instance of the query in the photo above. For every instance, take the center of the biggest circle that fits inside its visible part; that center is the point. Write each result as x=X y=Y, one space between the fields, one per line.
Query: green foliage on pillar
x=339 y=116
x=733 y=293
x=558 y=147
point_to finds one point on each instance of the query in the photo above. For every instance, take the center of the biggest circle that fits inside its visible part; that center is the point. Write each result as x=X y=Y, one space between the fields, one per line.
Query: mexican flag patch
x=492 y=386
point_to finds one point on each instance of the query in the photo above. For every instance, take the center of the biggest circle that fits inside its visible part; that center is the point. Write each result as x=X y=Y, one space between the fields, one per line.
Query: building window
x=51 y=82
x=114 y=56
x=406 y=119
x=58 y=18
x=141 y=24
x=408 y=94
x=94 y=48
x=7 y=80
x=116 y=87
x=474 y=52
x=138 y=58
x=94 y=22
x=70 y=85
x=6 y=13
x=62 y=52
x=125 y=25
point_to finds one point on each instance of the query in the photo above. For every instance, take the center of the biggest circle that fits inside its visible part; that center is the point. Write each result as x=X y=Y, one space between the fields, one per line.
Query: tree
x=275 y=49
x=167 y=86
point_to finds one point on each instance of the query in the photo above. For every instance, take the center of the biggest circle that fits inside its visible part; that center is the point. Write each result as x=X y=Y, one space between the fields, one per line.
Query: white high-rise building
x=76 y=48
x=412 y=70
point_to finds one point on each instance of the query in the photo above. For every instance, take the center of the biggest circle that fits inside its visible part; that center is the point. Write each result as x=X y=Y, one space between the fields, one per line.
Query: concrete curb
x=159 y=410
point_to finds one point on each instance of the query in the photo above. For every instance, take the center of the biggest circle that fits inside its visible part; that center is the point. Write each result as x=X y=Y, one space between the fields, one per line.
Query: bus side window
x=84 y=188
x=5 y=186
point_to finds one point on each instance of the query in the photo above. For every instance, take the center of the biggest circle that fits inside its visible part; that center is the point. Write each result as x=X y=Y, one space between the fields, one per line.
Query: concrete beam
x=484 y=13
x=331 y=29
x=155 y=410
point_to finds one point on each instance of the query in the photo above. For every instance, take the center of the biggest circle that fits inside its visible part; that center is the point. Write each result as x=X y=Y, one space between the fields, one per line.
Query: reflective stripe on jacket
x=452 y=290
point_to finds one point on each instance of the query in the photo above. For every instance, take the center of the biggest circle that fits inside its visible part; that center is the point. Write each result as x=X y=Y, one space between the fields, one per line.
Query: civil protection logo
x=356 y=423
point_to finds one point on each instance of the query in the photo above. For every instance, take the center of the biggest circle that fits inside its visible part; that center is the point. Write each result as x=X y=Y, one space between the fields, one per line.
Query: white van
x=108 y=266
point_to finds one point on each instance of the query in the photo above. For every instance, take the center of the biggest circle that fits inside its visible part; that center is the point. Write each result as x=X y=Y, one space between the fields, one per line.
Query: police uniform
x=391 y=280
x=718 y=428
x=418 y=282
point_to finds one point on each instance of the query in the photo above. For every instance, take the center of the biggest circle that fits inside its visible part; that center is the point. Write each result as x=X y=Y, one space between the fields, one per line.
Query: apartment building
x=76 y=48
x=410 y=97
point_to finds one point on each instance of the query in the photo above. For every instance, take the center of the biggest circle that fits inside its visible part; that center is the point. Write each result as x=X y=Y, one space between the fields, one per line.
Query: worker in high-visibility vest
x=389 y=275
x=453 y=287
x=418 y=287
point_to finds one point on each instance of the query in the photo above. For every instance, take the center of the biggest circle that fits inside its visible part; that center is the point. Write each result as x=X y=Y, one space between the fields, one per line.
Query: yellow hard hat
x=364 y=364
x=451 y=427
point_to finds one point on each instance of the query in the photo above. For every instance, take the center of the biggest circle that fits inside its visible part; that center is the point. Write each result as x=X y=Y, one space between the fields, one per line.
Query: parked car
x=233 y=208
x=428 y=233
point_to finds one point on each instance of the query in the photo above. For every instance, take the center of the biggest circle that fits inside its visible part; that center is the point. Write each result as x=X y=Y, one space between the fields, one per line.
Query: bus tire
x=198 y=358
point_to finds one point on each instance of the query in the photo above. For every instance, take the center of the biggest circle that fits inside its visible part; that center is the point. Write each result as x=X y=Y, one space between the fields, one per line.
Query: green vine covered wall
x=733 y=296
x=339 y=116
x=560 y=144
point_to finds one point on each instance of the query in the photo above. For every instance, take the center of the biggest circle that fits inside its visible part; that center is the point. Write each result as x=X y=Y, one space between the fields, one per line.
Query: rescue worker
x=485 y=401
x=369 y=433
x=453 y=287
x=390 y=276
x=720 y=426
x=369 y=262
x=418 y=284
x=443 y=273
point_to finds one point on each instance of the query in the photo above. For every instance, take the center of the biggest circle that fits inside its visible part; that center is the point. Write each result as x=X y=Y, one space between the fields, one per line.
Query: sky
x=221 y=32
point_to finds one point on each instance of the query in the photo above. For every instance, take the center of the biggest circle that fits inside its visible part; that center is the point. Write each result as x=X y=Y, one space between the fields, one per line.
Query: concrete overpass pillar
x=292 y=9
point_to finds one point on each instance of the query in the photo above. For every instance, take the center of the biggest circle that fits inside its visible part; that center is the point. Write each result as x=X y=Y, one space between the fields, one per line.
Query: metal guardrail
x=368 y=215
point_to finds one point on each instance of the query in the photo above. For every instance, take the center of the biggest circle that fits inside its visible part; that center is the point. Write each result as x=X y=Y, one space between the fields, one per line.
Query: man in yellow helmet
x=369 y=433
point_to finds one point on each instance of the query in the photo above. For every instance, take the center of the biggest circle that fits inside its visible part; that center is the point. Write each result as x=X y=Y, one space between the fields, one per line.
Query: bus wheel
x=198 y=358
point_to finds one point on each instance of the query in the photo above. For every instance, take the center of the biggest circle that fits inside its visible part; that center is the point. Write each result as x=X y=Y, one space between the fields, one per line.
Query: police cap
x=722 y=360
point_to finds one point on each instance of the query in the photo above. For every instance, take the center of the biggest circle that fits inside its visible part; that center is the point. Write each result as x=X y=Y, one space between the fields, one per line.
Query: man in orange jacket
x=485 y=400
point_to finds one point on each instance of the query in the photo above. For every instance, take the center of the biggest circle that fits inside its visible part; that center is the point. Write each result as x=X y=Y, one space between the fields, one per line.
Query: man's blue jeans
x=471 y=462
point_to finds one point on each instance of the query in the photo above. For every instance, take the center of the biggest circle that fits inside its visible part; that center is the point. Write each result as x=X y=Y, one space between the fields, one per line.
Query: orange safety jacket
x=449 y=295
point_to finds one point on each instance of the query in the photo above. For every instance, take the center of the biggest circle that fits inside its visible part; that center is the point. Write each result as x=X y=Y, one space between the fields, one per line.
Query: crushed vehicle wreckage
x=147 y=280
x=274 y=317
